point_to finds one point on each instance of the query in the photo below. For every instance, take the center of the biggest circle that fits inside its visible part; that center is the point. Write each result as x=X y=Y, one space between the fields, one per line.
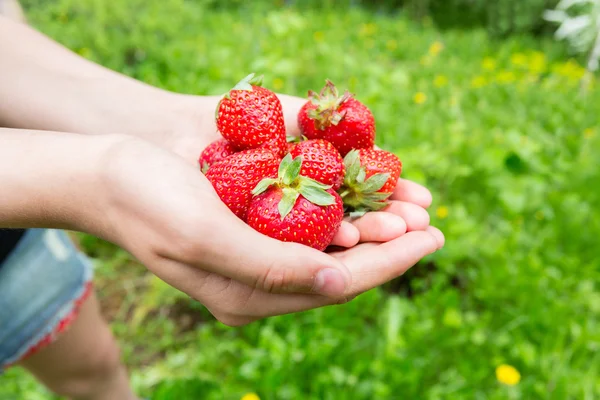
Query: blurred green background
x=482 y=105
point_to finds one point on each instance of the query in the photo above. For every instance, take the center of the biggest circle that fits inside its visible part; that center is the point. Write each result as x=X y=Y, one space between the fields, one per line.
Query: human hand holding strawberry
x=165 y=212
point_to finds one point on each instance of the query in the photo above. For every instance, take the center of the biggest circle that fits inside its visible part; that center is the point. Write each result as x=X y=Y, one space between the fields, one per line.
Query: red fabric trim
x=63 y=324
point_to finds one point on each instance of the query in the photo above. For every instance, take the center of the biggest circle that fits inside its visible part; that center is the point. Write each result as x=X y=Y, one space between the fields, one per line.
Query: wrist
x=49 y=179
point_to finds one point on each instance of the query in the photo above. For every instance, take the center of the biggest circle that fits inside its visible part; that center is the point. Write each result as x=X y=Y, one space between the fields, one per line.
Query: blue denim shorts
x=42 y=284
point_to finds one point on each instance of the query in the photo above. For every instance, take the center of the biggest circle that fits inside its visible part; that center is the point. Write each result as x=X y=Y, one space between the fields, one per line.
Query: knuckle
x=274 y=279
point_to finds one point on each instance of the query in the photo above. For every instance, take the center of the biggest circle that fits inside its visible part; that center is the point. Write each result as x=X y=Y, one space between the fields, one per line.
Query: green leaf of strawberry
x=293 y=185
x=248 y=82
x=287 y=201
x=371 y=177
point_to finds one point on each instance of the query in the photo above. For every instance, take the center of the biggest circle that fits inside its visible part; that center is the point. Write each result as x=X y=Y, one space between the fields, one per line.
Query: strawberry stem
x=328 y=102
x=293 y=185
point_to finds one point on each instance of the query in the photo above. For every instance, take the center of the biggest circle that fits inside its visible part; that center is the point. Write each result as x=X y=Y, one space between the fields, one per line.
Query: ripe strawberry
x=234 y=177
x=294 y=208
x=277 y=145
x=371 y=177
x=320 y=161
x=342 y=120
x=290 y=146
x=216 y=151
x=249 y=116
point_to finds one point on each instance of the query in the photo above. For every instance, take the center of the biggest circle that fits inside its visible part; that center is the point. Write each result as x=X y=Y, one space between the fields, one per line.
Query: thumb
x=247 y=256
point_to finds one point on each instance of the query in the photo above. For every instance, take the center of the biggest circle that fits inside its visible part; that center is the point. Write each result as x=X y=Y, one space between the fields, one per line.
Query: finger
x=370 y=264
x=412 y=192
x=441 y=240
x=379 y=226
x=232 y=302
x=347 y=236
x=373 y=264
x=416 y=217
x=291 y=106
x=236 y=251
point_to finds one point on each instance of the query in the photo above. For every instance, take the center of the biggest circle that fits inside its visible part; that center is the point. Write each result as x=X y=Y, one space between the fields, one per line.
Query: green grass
x=501 y=131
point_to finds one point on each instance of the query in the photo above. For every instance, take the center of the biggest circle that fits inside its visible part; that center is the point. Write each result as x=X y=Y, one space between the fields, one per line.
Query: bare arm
x=45 y=86
x=47 y=178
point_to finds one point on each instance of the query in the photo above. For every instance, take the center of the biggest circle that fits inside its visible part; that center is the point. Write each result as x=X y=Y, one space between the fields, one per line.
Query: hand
x=164 y=211
x=196 y=128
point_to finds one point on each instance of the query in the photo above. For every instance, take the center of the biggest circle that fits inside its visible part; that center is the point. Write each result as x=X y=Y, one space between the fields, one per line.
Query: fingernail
x=330 y=282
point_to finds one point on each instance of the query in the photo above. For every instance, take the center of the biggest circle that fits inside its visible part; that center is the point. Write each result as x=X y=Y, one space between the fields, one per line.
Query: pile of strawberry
x=297 y=190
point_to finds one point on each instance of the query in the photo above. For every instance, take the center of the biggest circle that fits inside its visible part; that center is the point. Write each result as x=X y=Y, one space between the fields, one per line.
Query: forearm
x=48 y=179
x=45 y=86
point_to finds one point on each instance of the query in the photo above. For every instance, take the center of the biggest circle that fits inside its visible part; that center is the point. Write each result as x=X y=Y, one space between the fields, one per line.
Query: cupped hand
x=406 y=213
x=164 y=211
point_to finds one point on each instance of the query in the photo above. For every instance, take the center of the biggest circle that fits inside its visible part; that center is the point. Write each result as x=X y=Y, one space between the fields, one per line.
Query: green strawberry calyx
x=248 y=82
x=328 y=103
x=359 y=194
x=244 y=84
x=292 y=184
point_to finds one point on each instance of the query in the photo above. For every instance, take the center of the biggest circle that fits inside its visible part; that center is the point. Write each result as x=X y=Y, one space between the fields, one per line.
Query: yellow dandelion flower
x=391 y=45
x=278 y=83
x=508 y=375
x=368 y=29
x=488 y=63
x=539 y=215
x=570 y=69
x=588 y=133
x=537 y=62
x=420 y=98
x=442 y=212
x=478 y=82
x=453 y=100
x=505 y=77
x=435 y=48
x=440 y=81
x=250 y=396
x=318 y=36
x=518 y=59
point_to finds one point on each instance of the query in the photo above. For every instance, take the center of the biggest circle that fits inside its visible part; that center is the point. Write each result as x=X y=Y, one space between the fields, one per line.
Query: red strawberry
x=292 y=141
x=294 y=208
x=320 y=161
x=277 y=145
x=290 y=146
x=234 y=177
x=342 y=120
x=380 y=161
x=371 y=177
x=216 y=151
x=249 y=116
